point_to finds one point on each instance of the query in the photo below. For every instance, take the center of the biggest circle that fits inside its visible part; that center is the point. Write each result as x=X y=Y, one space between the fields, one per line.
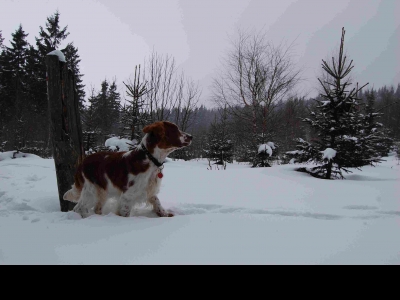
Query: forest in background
x=254 y=94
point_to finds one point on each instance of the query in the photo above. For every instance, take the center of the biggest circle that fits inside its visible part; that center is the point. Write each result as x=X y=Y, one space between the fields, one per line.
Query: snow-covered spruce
x=339 y=124
x=219 y=146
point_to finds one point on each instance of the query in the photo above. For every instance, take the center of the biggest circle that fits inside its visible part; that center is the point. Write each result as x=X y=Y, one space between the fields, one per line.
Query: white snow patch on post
x=58 y=53
x=329 y=153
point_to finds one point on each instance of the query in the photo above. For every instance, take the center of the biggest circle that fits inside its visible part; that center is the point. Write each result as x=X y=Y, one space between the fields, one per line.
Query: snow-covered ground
x=234 y=216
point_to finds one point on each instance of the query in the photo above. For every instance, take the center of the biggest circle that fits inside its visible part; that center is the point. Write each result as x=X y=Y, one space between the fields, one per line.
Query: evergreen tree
x=115 y=105
x=242 y=140
x=5 y=81
x=50 y=39
x=90 y=128
x=387 y=103
x=1 y=40
x=385 y=143
x=2 y=143
x=266 y=152
x=305 y=152
x=100 y=106
x=3 y=104
x=390 y=107
x=396 y=149
x=38 y=106
x=397 y=94
x=132 y=121
x=73 y=60
x=337 y=122
x=134 y=115
x=289 y=114
x=372 y=134
x=35 y=82
x=220 y=147
x=13 y=82
x=244 y=153
x=106 y=110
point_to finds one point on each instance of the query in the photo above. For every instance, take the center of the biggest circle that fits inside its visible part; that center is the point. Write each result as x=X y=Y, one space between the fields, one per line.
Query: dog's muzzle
x=187 y=140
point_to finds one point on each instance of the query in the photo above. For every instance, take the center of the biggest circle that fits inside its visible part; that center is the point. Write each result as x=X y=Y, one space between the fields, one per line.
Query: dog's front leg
x=158 y=209
x=124 y=206
x=82 y=210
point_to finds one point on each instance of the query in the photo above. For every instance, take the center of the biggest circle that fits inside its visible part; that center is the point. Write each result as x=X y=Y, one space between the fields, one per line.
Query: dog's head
x=166 y=135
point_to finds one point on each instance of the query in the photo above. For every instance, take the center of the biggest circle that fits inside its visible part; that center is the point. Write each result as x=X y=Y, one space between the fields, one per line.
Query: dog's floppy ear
x=156 y=128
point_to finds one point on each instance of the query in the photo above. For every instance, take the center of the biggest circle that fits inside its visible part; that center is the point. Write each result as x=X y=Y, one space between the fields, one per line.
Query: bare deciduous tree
x=256 y=75
x=187 y=98
x=160 y=73
x=172 y=96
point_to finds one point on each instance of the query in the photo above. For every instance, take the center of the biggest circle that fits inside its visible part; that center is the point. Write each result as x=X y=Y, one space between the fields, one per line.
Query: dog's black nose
x=189 y=137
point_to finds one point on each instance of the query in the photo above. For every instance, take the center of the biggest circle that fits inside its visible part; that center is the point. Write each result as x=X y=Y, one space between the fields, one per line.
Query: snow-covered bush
x=265 y=154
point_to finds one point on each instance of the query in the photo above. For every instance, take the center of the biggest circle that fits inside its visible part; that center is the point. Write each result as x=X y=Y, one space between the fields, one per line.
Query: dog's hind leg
x=72 y=195
x=87 y=200
x=101 y=199
x=158 y=209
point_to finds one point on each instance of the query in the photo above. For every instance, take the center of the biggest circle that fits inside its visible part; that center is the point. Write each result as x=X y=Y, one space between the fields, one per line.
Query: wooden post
x=65 y=125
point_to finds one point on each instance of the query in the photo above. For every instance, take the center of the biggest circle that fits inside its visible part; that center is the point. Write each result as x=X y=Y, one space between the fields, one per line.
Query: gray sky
x=115 y=35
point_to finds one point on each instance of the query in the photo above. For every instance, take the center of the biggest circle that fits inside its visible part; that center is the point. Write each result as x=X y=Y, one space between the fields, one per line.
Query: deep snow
x=234 y=216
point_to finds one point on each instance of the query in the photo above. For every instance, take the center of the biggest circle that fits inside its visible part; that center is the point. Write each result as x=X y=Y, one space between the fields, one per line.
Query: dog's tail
x=72 y=195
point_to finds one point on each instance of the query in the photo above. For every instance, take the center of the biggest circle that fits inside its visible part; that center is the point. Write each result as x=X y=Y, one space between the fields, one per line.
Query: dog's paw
x=170 y=214
x=165 y=214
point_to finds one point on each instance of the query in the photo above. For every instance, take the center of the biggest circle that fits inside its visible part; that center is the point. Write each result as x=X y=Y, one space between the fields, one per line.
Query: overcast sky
x=115 y=35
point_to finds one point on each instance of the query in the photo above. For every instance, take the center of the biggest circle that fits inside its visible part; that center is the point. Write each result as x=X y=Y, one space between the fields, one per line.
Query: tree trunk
x=329 y=170
x=65 y=125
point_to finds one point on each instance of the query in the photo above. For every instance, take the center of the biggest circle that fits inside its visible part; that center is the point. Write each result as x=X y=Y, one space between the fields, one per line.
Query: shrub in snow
x=3 y=146
x=119 y=144
x=265 y=154
x=266 y=149
x=39 y=150
x=304 y=153
x=15 y=154
x=244 y=153
x=396 y=150
x=219 y=151
x=113 y=144
x=219 y=147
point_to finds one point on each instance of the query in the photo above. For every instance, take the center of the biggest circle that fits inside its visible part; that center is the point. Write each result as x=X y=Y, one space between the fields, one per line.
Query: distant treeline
x=253 y=106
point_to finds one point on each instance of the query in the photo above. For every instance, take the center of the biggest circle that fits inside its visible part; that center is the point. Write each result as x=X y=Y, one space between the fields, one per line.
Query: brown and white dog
x=133 y=177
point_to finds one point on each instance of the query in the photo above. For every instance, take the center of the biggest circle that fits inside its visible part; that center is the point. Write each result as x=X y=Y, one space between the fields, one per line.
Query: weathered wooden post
x=65 y=125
